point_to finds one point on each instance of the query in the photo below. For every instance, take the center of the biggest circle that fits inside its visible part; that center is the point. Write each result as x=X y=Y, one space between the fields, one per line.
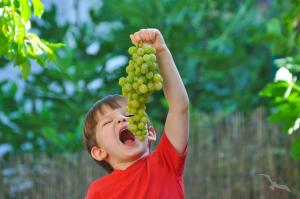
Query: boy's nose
x=122 y=119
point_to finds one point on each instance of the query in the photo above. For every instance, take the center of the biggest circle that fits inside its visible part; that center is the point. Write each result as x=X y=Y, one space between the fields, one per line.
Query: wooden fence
x=225 y=157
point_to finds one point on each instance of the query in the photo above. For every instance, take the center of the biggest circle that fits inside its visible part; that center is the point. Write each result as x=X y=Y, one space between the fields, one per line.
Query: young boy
x=135 y=172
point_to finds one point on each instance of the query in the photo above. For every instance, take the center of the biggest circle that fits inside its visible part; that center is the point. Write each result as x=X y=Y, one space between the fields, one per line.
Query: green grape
x=144 y=119
x=135 y=96
x=157 y=78
x=122 y=81
x=132 y=110
x=142 y=79
x=150 y=86
x=140 y=51
x=130 y=126
x=137 y=71
x=152 y=57
x=124 y=93
x=139 y=60
x=135 y=103
x=144 y=69
x=131 y=63
x=151 y=66
x=135 y=128
x=144 y=133
x=149 y=75
x=146 y=58
x=141 y=112
x=127 y=87
x=131 y=120
x=135 y=85
x=143 y=88
x=132 y=50
x=129 y=79
x=141 y=125
x=135 y=57
x=139 y=133
x=157 y=86
x=137 y=117
x=140 y=116
x=142 y=99
x=130 y=68
x=148 y=49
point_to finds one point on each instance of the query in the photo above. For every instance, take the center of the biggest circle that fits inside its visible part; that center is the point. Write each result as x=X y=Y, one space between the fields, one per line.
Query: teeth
x=125 y=134
x=125 y=129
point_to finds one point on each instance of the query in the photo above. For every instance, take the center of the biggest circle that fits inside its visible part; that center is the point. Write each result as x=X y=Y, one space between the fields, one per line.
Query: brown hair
x=89 y=131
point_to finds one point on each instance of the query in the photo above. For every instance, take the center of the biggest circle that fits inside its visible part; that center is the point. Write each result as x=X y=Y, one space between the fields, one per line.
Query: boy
x=135 y=172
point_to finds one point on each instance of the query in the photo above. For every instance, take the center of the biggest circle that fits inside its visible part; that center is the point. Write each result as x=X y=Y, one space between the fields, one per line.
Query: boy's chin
x=136 y=152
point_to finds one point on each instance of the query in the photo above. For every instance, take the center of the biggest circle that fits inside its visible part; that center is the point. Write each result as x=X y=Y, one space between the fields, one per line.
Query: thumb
x=133 y=40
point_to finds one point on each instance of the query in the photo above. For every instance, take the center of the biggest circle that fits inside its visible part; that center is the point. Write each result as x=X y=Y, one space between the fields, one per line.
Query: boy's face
x=115 y=143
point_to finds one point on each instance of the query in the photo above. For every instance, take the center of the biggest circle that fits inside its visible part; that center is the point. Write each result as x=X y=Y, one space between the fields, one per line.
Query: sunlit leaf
x=274 y=89
x=38 y=7
x=285 y=114
x=25 y=10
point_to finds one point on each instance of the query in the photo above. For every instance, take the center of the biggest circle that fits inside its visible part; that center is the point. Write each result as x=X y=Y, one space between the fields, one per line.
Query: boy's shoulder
x=102 y=183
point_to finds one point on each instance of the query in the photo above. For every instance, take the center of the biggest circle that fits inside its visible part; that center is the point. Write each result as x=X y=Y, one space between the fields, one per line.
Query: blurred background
x=226 y=53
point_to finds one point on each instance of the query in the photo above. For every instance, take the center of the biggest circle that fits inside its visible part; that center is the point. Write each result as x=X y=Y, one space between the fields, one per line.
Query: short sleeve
x=169 y=156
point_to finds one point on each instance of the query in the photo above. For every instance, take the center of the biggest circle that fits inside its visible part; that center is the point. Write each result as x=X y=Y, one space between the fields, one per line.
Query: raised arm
x=177 y=121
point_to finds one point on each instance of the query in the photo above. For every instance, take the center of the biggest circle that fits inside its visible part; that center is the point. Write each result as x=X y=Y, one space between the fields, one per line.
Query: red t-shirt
x=158 y=175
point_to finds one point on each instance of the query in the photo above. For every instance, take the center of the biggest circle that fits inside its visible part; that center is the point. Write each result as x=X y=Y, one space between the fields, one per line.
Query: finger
x=152 y=35
x=133 y=39
x=157 y=34
x=137 y=37
x=146 y=35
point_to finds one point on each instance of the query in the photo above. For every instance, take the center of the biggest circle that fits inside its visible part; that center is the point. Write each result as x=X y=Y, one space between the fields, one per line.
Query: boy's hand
x=149 y=36
x=177 y=121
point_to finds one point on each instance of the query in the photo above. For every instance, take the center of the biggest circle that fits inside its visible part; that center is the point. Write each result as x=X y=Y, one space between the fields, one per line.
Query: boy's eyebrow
x=102 y=119
x=105 y=117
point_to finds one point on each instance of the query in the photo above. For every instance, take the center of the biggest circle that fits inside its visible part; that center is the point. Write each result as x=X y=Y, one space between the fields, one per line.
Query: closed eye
x=128 y=115
x=107 y=122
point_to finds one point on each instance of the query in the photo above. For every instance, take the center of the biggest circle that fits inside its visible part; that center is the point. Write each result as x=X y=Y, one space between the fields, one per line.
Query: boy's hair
x=89 y=129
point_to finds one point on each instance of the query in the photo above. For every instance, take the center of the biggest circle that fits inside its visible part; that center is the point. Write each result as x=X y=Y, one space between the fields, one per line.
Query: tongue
x=128 y=142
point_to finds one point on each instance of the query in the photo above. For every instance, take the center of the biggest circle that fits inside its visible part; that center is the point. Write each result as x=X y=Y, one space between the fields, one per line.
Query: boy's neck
x=125 y=165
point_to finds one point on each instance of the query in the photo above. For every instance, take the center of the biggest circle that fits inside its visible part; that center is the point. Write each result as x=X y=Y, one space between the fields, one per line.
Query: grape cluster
x=142 y=79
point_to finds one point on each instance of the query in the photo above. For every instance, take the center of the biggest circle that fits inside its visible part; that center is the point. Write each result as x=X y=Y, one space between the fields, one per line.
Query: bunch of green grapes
x=142 y=79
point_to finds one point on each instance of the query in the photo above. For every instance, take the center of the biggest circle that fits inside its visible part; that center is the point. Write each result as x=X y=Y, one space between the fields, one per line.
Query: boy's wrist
x=162 y=49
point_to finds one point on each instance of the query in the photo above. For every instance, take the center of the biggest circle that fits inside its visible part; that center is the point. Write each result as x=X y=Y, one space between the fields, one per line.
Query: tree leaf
x=25 y=10
x=295 y=149
x=38 y=8
x=53 y=46
x=274 y=89
x=25 y=69
x=273 y=27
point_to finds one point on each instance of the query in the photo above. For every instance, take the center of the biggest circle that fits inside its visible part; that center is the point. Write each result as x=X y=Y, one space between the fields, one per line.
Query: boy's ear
x=152 y=134
x=98 y=153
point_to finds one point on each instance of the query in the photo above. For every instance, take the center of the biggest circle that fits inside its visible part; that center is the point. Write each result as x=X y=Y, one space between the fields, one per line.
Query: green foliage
x=223 y=50
x=17 y=43
x=284 y=96
x=209 y=41
x=295 y=151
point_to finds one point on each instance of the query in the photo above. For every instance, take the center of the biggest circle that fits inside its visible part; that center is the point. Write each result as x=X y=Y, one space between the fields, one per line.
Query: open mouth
x=126 y=137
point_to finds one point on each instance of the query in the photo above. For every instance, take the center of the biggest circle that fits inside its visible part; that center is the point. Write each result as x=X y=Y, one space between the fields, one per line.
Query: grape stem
x=139 y=44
